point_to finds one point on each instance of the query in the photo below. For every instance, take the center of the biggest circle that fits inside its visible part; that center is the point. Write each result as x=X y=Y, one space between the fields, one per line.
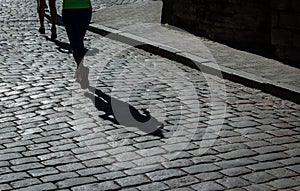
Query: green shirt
x=76 y=4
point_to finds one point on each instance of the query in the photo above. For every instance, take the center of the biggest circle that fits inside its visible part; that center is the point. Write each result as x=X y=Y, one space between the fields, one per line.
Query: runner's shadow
x=122 y=113
x=67 y=49
x=58 y=21
x=61 y=46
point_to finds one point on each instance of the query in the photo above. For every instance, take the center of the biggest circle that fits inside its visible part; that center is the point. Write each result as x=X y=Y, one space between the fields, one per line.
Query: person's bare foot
x=81 y=76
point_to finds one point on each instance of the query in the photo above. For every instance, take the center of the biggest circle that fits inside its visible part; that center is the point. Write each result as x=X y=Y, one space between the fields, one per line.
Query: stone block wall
x=285 y=33
x=264 y=25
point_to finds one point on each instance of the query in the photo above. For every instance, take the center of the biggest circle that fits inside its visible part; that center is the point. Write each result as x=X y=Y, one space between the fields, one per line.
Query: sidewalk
x=139 y=24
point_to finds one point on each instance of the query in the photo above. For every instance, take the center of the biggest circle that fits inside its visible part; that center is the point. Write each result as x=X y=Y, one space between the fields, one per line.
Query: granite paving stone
x=295 y=168
x=264 y=166
x=259 y=177
x=25 y=183
x=132 y=180
x=237 y=154
x=209 y=176
x=144 y=169
x=110 y=175
x=108 y=185
x=237 y=171
x=259 y=187
x=165 y=174
x=72 y=182
x=209 y=186
x=281 y=172
x=153 y=186
x=42 y=187
x=201 y=168
x=233 y=182
x=181 y=182
x=284 y=183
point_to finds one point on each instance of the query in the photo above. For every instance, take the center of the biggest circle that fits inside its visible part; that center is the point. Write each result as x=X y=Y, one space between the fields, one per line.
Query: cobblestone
x=153 y=186
x=25 y=183
x=110 y=175
x=109 y=185
x=236 y=171
x=13 y=176
x=132 y=180
x=10 y=156
x=237 y=154
x=177 y=163
x=208 y=186
x=5 y=187
x=91 y=171
x=41 y=187
x=284 y=183
x=165 y=174
x=269 y=149
x=70 y=167
x=142 y=170
x=281 y=172
x=209 y=176
x=43 y=172
x=259 y=187
x=57 y=177
x=295 y=168
x=201 y=168
x=235 y=163
x=233 y=182
x=264 y=166
x=259 y=177
x=75 y=181
x=270 y=157
x=28 y=166
x=181 y=182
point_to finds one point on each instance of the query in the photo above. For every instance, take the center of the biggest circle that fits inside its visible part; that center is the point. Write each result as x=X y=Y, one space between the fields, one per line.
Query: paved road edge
x=282 y=91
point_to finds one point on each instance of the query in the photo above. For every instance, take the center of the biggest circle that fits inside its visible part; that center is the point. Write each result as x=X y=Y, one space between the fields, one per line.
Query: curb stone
x=282 y=91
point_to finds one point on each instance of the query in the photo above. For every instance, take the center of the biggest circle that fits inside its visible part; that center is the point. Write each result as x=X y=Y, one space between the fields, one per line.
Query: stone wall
x=285 y=34
x=261 y=25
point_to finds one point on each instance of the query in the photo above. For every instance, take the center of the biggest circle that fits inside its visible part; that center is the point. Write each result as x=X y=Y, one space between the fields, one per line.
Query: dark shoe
x=53 y=33
x=42 y=30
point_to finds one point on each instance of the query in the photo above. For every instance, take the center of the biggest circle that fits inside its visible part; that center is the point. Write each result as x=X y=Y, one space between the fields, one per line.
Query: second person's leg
x=41 y=12
x=53 y=13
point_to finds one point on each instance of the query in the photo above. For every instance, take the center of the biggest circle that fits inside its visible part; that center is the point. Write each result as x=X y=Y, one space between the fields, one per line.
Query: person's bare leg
x=41 y=13
x=53 y=13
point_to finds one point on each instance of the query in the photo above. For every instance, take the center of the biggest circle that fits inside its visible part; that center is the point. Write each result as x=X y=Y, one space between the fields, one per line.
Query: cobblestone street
x=215 y=134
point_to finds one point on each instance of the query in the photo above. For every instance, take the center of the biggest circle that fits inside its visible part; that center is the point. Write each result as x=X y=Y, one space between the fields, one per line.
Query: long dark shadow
x=58 y=21
x=63 y=47
x=122 y=113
